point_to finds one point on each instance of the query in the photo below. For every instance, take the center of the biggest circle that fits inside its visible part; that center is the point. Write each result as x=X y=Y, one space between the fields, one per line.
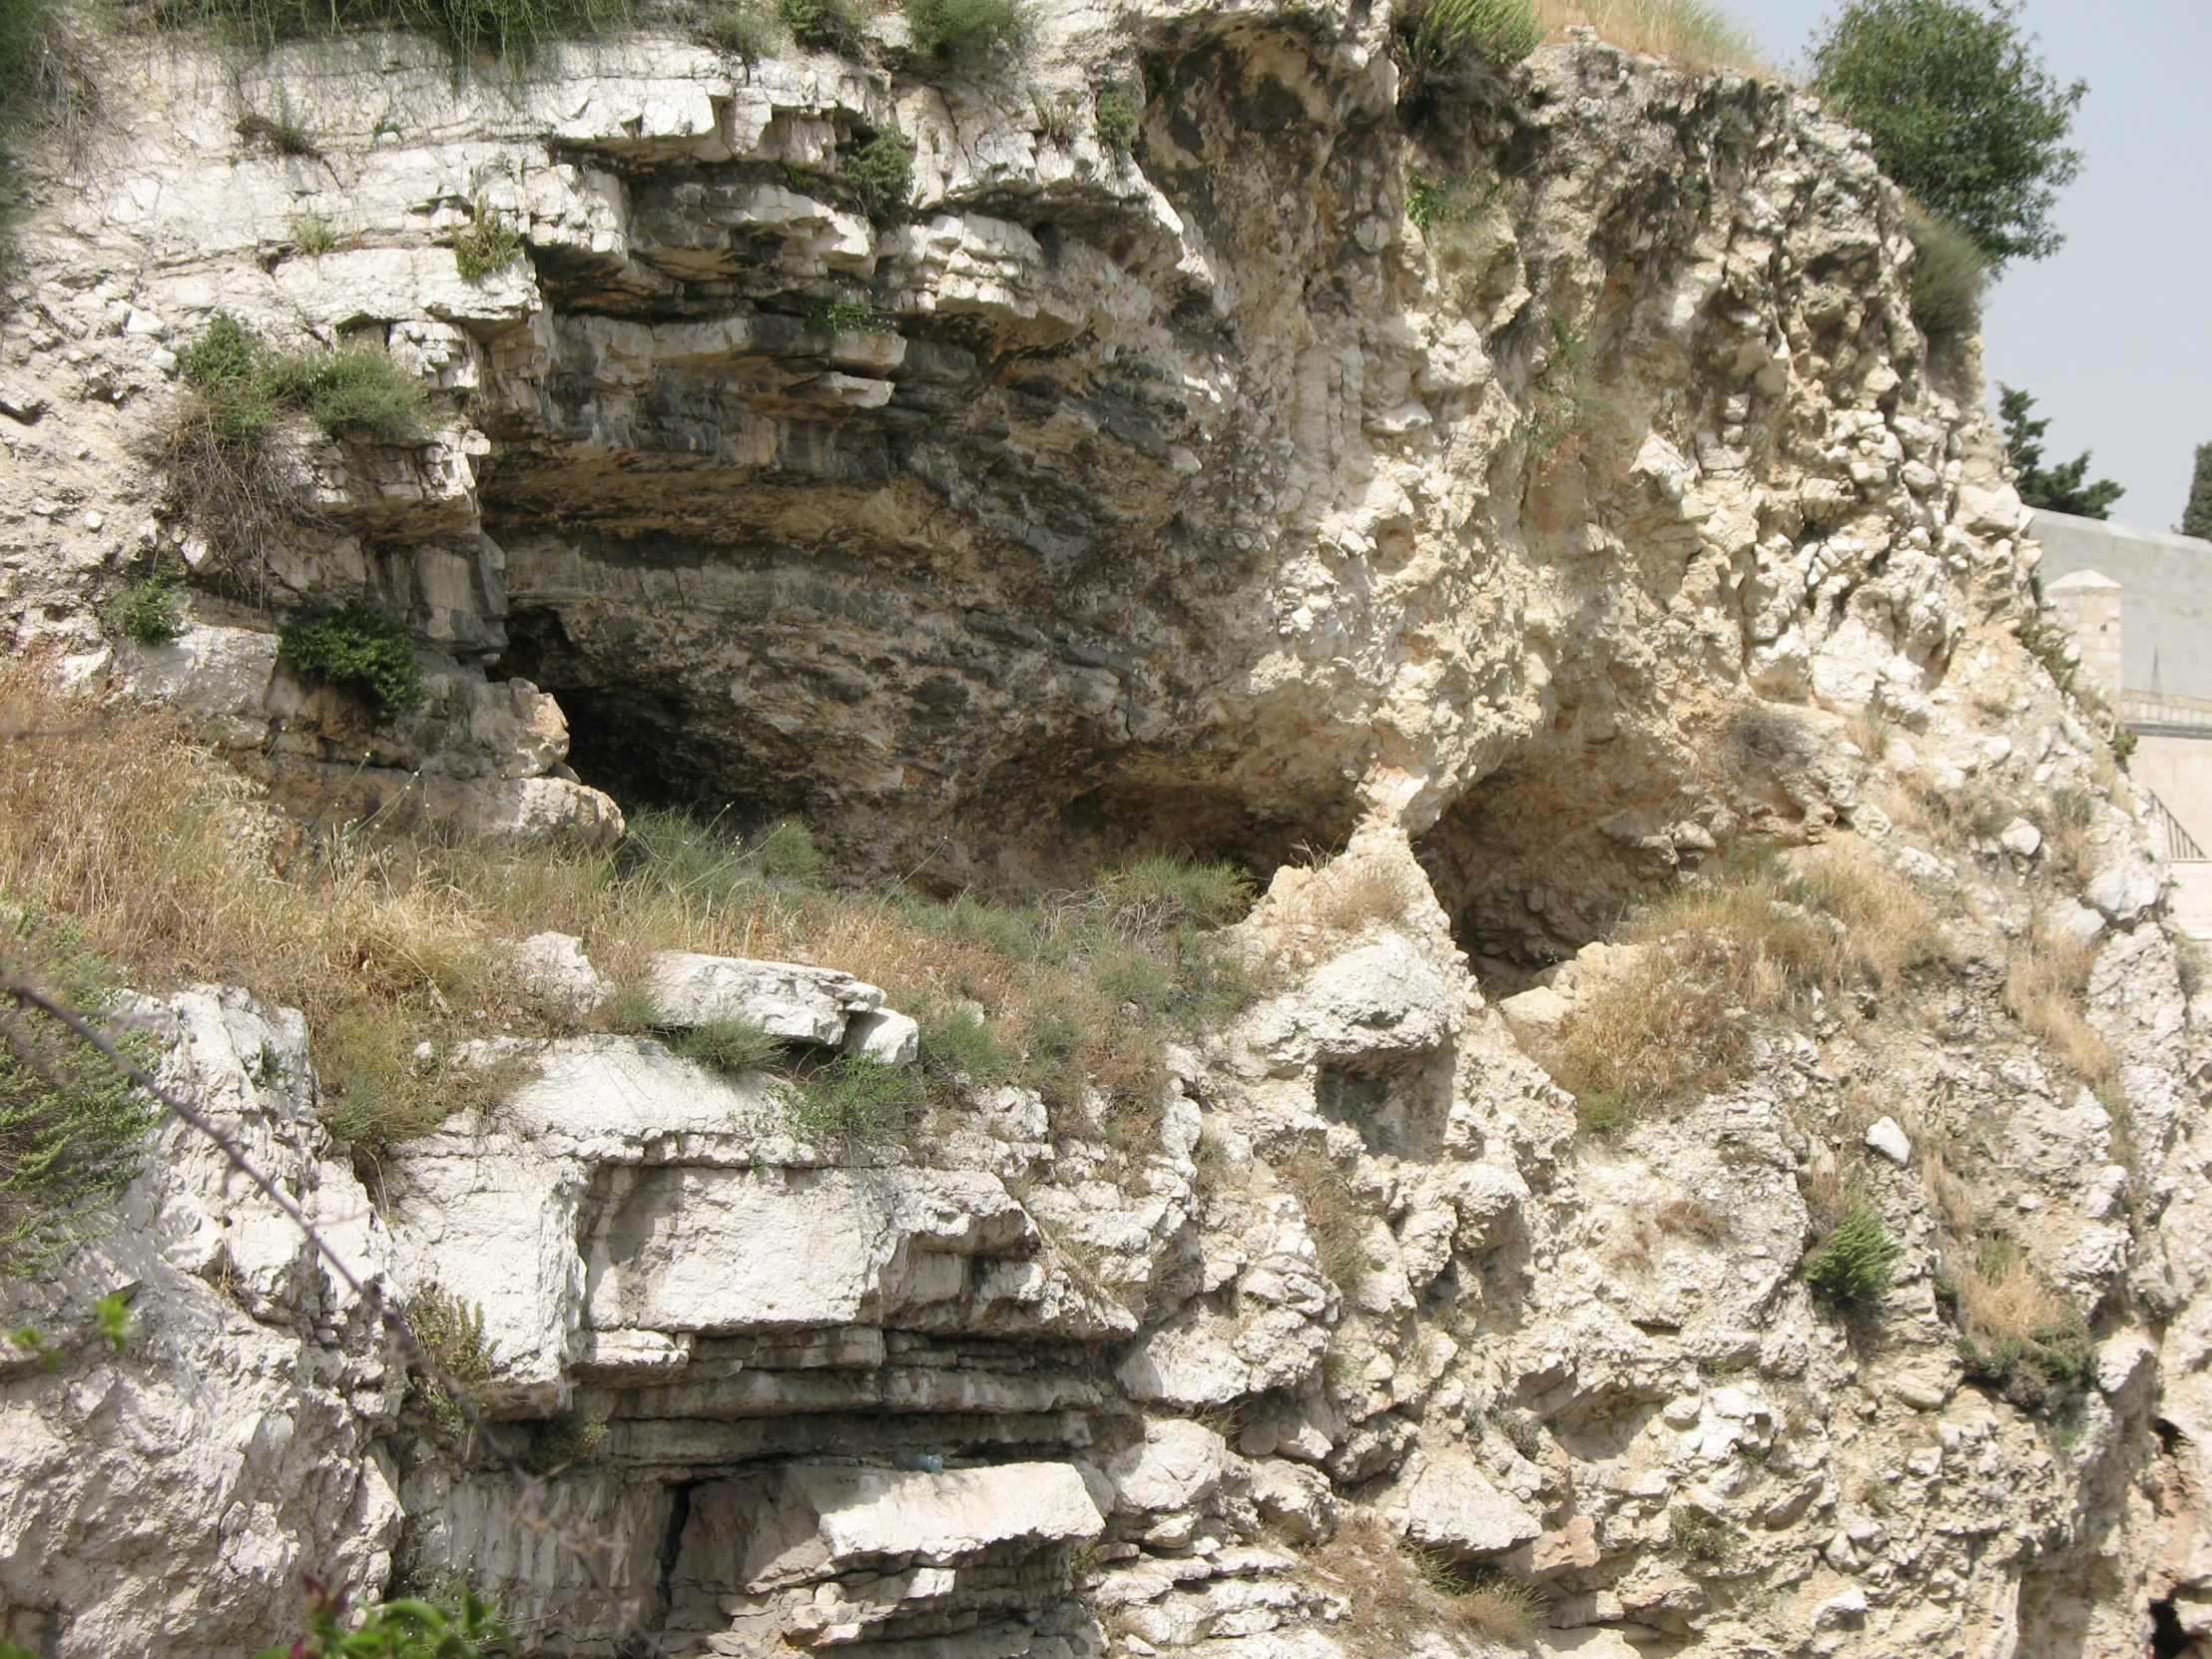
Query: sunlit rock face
x=1535 y=486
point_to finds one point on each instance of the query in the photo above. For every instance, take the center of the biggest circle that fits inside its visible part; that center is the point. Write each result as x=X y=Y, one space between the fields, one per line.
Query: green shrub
x=562 y=1442
x=283 y=137
x=963 y=33
x=226 y=366
x=1434 y=35
x=733 y=1047
x=489 y=244
x=1521 y=1430
x=2038 y=1373
x=403 y=1628
x=1115 y=118
x=147 y=611
x=826 y=25
x=360 y=648
x=880 y=171
x=72 y=1132
x=310 y=232
x=451 y=1332
x=2059 y=489
x=854 y=1098
x=1850 y=1267
x=1950 y=276
x=355 y=391
x=742 y=28
x=1960 y=112
x=466 y=28
x=836 y=314
x=1700 y=1536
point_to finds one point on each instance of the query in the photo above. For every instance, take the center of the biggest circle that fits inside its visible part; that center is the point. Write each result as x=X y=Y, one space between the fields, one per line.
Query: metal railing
x=2177 y=844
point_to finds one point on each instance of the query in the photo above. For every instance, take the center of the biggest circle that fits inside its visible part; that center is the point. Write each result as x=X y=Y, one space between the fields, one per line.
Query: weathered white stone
x=1448 y=1503
x=1885 y=1137
x=1179 y=1465
x=1381 y=1001
x=553 y=968
x=802 y=1522
x=2125 y=886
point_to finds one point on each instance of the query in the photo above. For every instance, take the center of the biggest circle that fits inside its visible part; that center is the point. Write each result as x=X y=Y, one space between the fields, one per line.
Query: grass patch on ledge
x=1693 y=33
x=466 y=28
x=1754 y=942
x=163 y=860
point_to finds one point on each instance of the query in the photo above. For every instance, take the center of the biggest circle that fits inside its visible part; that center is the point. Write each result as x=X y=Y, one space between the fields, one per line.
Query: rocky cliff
x=1535 y=486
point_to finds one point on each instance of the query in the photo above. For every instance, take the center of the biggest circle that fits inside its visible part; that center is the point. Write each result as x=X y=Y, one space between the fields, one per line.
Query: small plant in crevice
x=839 y=314
x=562 y=1442
x=1564 y=410
x=743 y=28
x=825 y=25
x=72 y=1131
x=1115 y=118
x=1434 y=203
x=1522 y=1431
x=146 y=612
x=879 y=172
x=363 y=650
x=310 y=232
x=1951 y=275
x=854 y=1098
x=1850 y=1268
x=965 y=34
x=451 y=1332
x=1700 y=1536
x=279 y=134
x=2018 y=1339
x=1435 y=37
x=733 y=1047
x=1334 y=1215
x=488 y=244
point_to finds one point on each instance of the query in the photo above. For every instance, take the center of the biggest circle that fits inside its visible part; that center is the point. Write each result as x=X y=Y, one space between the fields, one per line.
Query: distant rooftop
x=2165 y=597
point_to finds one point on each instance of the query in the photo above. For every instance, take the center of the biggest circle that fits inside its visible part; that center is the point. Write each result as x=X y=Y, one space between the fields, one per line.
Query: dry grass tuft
x=1693 y=33
x=1395 y=1594
x=2017 y=1337
x=1756 y=941
x=2044 y=991
x=167 y=863
x=1692 y=1218
x=1339 y=1227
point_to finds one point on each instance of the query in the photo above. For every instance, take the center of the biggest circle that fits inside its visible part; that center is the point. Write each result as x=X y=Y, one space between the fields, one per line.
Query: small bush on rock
x=2018 y=1339
x=742 y=28
x=1700 y=1536
x=1437 y=35
x=826 y=25
x=489 y=243
x=880 y=171
x=72 y=1132
x=1850 y=1267
x=1950 y=276
x=359 y=648
x=1113 y=114
x=854 y=1098
x=733 y=1047
x=961 y=34
x=146 y=612
x=353 y=393
x=451 y=1332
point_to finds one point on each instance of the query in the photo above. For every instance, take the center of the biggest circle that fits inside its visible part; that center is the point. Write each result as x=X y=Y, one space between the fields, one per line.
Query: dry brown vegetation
x=1756 y=941
x=1693 y=33
x=2044 y=991
x=152 y=852
x=1394 y=1594
x=1339 y=1227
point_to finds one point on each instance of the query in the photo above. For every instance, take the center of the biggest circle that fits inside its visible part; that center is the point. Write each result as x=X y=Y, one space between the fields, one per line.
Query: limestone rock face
x=1187 y=489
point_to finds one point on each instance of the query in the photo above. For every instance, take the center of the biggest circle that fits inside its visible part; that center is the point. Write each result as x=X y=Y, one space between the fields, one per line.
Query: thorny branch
x=534 y=1512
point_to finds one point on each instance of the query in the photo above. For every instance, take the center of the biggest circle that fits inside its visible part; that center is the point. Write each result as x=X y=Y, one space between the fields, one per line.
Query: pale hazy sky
x=2113 y=333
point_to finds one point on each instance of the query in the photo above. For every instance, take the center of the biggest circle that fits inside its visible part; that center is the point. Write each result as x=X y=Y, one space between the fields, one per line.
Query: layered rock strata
x=1613 y=514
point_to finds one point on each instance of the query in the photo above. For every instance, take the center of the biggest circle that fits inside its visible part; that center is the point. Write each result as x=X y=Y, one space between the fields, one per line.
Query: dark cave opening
x=2167 y=1638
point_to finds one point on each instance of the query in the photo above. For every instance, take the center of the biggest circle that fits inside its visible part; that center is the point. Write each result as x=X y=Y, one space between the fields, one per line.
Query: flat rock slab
x=801 y=1522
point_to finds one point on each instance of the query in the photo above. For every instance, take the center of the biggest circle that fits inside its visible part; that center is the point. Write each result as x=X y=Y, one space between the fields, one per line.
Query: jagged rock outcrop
x=1615 y=513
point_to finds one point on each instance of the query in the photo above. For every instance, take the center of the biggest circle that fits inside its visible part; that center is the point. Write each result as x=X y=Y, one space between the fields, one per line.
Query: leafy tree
x=1961 y=113
x=2059 y=489
x=2196 y=518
